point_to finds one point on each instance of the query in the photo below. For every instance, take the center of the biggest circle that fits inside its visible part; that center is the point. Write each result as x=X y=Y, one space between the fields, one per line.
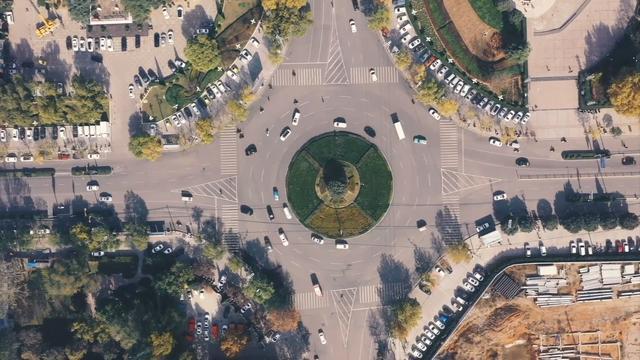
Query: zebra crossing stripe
x=384 y=74
x=229 y=151
x=302 y=77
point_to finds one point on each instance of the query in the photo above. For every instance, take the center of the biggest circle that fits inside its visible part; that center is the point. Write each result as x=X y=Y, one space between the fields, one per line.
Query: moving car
x=522 y=162
x=372 y=72
x=296 y=117
x=435 y=114
x=267 y=244
x=270 y=213
x=285 y=133
x=419 y=139
x=628 y=160
x=352 y=23
x=276 y=194
x=323 y=339
x=283 y=237
x=495 y=142
x=131 y=94
x=499 y=195
x=340 y=123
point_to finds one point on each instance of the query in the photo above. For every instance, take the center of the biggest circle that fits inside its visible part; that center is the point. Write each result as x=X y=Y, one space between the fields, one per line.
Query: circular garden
x=339 y=185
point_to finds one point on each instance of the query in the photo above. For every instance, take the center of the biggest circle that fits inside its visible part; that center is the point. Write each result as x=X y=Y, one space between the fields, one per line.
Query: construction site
x=585 y=311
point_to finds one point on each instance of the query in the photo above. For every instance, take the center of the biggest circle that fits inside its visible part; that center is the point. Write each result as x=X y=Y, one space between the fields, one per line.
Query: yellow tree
x=237 y=111
x=448 y=107
x=625 y=95
x=233 y=344
x=205 y=130
x=162 y=344
x=403 y=60
x=145 y=147
x=292 y=4
x=459 y=252
x=284 y=320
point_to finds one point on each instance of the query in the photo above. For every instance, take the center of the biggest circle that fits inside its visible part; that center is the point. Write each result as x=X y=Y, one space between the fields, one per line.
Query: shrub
x=525 y=223
x=550 y=222
x=629 y=221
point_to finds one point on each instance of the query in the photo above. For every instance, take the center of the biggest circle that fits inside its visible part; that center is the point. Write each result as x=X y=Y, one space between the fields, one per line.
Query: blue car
x=276 y=194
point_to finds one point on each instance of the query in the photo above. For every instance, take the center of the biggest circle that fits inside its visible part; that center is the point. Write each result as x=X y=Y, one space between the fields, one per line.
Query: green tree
x=237 y=111
x=202 y=53
x=629 y=221
x=504 y=5
x=65 y=278
x=573 y=224
x=273 y=4
x=94 y=239
x=175 y=280
x=459 y=252
x=405 y=315
x=282 y=22
x=510 y=226
x=525 y=223
x=520 y=53
x=550 y=222
x=403 y=60
x=205 y=130
x=16 y=102
x=608 y=221
x=162 y=343
x=430 y=93
x=625 y=95
x=87 y=104
x=591 y=221
x=137 y=235
x=259 y=289
x=212 y=252
x=235 y=264
x=380 y=18
x=145 y=147
x=140 y=9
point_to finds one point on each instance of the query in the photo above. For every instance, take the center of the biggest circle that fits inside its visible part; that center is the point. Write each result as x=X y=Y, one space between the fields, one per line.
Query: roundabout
x=339 y=185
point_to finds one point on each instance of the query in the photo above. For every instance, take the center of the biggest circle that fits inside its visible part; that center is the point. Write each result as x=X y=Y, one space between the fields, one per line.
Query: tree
x=94 y=239
x=79 y=10
x=504 y=5
x=247 y=96
x=284 y=320
x=625 y=95
x=137 y=235
x=212 y=252
x=430 y=92
x=145 y=147
x=175 y=280
x=259 y=289
x=405 y=315
x=448 y=107
x=459 y=252
x=380 y=18
x=162 y=344
x=205 y=130
x=608 y=221
x=233 y=344
x=525 y=223
x=510 y=226
x=237 y=111
x=140 y=9
x=12 y=286
x=629 y=221
x=573 y=224
x=282 y=22
x=202 y=53
x=65 y=278
x=550 y=222
x=519 y=53
x=403 y=60
x=591 y=221
x=516 y=17
x=235 y=264
x=292 y=4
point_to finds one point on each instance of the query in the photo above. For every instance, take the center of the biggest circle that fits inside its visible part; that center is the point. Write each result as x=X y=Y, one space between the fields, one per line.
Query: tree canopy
x=259 y=289
x=380 y=18
x=430 y=93
x=284 y=320
x=94 y=239
x=65 y=277
x=405 y=315
x=459 y=252
x=291 y=4
x=205 y=130
x=404 y=59
x=175 y=280
x=202 y=53
x=233 y=344
x=145 y=147
x=625 y=95
x=140 y=9
x=282 y=21
x=162 y=343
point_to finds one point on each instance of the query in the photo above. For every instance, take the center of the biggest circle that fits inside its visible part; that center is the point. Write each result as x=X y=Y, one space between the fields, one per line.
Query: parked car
x=435 y=114
x=495 y=141
x=499 y=195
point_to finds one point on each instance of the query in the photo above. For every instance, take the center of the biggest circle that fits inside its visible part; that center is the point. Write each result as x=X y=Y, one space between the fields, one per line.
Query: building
x=109 y=12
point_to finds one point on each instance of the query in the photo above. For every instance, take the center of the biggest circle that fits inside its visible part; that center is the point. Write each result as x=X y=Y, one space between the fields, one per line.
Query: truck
x=397 y=125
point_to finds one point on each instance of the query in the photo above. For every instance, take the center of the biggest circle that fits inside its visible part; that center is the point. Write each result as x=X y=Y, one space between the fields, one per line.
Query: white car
x=106 y=198
x=220 y=86
x=97 y=254
x=296 y=118
x=245 y=56
x=109 y=43
x=425 y=340
x=163 y=39
x=458 y=87
x=323 y=339
x=510 y=115
x=93 y=156
x=131 y=94
x=339 y=123
x=416 y=353
x=372 y=72
x=443 y=71
x=543 y=250
x=402 y=18
x=468 y=286
x=465 y=90
x=435 y=114
x=414 y=43
x=526 y=118
x=157 y=248
x=74 y=43
x=405 y=38
x=439 y=270
x=26 y=158
x=406 y=28
x=83 y=46
x=501 y=196
x=215 y=90
x=430 y=335
x=473 y=281
x=352 y=23
x=283 y=237
x=254 y=42
x=170 y=36
x=518 y=117
x=421 y=346
x=103 y=43
x=93 y=187
x=456 y=307
x=11 y=158
x=434 y=329
x=574 y=248
x=435 y=65
x=439 y=324
x=495 y=142
x=400 y=10
x=285 y=133
x=233 y=75
x=195 y=109
x=317 y=239
x=165 y=12
x=3 y=135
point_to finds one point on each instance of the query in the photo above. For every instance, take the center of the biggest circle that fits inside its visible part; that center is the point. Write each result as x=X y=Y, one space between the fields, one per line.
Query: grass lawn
x=301 y=192
x=240 y=30
x=339 y=145
x=376 y=184
x=353 y=220
x=125 y=265
x=233 y=9
x=325 y=221
x=488 y=12
x=157 y=263
x=155 y=104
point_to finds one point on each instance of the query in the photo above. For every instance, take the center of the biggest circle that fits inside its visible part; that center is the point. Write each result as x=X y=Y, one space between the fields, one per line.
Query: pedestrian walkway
x=383 y=293
x=229 y=219
x=367 y=295
x=310 y=301
x=449 y=145
x=297 y=77
x=385 y=75
x=229 y=151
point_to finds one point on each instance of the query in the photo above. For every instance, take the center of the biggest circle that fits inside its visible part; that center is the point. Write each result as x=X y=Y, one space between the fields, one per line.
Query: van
x=286 y=211
x=460 y=300
x=342 y=245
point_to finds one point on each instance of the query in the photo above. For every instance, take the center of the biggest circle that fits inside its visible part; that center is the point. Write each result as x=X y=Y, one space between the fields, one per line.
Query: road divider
x=91 y=170
x=27 y=172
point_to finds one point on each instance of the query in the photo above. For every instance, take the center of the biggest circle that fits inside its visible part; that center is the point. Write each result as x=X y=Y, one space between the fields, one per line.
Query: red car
x=619 y=246
x=215 y=331
x=191 y=326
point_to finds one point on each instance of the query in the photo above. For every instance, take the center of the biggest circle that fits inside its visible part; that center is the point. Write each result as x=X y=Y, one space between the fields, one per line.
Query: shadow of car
x=247 y=210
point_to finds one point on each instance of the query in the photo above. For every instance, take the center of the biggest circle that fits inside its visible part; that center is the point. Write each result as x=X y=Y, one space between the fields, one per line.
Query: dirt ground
x=475 y=33
x=501 y=329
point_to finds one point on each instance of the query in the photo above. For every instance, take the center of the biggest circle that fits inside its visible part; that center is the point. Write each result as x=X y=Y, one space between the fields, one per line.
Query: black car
x=156 y=40
x=54 y=132
x=74 y=131
x=152 y=75
x=370 y=131
x=96 y=57
x=22 y=133
x=628 y=160
x=270 y=213
x=136 y=41
x=68 y=42
x=136 y=79
x=43 y=132
x=247 y=210
x=172 y=66
x=187 y=112
x=36 y=133
x=123 y=43
x=250 y=150
x=522 y=162
x=143 y=75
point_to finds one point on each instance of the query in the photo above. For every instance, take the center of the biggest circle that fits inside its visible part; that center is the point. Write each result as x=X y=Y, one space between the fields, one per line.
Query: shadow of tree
x=135 y=208
x=544 y=208
x=193 y=19
x=423 y=260
x=393 y=272
x=448 y=226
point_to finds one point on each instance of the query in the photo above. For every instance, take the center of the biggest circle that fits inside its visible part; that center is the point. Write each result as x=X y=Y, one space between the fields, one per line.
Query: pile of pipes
x=600 y=276
x=628 y=294
x=629 y=274
x=594 y=295
x=557 y=353
x=545 y=291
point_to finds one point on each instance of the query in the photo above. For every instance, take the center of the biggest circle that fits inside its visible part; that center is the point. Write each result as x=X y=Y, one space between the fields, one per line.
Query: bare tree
x=12 y=286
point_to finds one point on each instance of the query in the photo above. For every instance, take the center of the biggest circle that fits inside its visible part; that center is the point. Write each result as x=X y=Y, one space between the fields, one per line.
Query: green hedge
x=28 y=172
x=91 y=170
x=487 y=12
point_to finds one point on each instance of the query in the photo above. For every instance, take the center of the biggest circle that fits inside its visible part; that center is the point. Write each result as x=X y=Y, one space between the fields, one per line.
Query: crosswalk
x=449 y=223
x=449 y=147
x=385 y=75
x=229 y=218
x=367 y=295
x=225 y=189
x=229 y=151
x=297 y=77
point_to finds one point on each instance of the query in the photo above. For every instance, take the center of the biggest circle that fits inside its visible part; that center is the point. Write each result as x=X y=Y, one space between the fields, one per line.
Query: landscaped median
x=27 y=172
x=91 y=170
